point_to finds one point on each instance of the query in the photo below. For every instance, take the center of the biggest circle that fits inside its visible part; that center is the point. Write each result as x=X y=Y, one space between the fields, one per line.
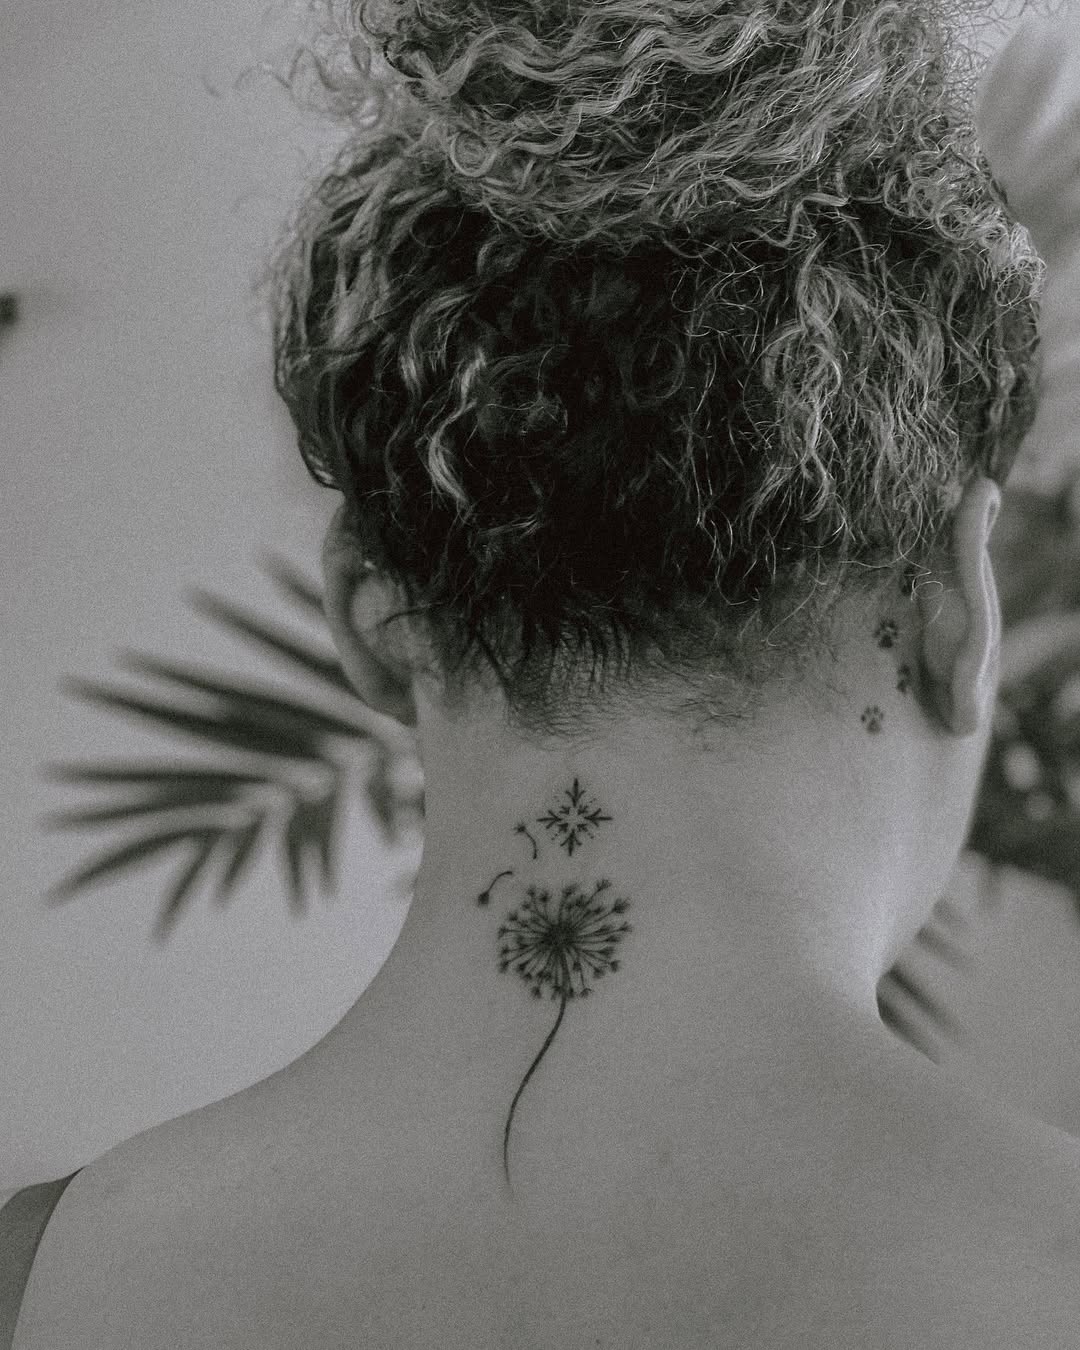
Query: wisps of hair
x=632 y=330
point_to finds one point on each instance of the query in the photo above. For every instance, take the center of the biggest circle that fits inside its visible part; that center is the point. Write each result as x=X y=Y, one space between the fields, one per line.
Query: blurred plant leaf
x=302 y=657
x=129 y=774
x=1027 y=814
x=197 y=788
x=1027 y=811
x=295 y=587
x=242 y=843
x=246 y=719
x=1035 y=548
x=905 y=1004
x=118 y=859
x=310 y=833
x=184 y=883
x=228 y=809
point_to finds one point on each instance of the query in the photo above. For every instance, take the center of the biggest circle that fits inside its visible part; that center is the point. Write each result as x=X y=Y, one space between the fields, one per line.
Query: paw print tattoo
x=873 y=719
x=904 y=679
x=886 y=634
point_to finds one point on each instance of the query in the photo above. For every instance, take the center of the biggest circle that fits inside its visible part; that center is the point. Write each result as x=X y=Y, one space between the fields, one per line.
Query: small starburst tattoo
x=873 y=719
x=551 y=947
x=573 y=819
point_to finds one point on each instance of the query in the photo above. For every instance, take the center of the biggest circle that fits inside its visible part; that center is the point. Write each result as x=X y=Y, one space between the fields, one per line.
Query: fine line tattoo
x=485 y=896
x=873 y=719
x=522 y=828
x=550 y=948
x=573 y=819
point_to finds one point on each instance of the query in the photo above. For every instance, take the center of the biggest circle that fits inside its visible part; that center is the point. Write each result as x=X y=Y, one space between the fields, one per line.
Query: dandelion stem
x=524 y=1081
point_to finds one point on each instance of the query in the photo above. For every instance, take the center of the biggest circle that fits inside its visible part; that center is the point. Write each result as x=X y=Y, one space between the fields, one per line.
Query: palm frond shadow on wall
x=275 y=771
x=277 y=768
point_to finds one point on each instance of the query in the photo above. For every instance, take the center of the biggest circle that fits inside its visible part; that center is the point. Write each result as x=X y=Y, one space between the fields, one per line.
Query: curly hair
x=635 y=331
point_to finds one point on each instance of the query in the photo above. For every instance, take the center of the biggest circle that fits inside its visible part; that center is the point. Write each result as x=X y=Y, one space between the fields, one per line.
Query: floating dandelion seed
x=485 y=896
x=522 y=828
x=573 y=820
x=553 y=948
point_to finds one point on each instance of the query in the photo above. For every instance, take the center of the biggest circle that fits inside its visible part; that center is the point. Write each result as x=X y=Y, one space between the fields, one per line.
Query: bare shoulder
x=76 y=1250
x=246 y=1225
x=135 y=1223
x=83 y=1262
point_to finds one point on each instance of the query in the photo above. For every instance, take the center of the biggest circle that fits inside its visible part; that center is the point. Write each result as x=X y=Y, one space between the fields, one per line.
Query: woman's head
x=637 y=337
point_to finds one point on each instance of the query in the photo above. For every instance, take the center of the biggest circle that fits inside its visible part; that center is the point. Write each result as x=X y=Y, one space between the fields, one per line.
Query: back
x=251 y=1226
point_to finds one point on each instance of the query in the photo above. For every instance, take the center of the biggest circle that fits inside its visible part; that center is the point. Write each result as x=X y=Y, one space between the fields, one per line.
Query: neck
x=638 y=939
x=738 y=871
x=682 y=916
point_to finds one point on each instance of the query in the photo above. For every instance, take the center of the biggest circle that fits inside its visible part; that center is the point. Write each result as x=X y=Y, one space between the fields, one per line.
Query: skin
x=721 y=1144
x=761 y=880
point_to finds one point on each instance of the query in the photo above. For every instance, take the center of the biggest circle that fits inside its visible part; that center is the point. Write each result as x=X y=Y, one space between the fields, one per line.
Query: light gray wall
x=144 y=454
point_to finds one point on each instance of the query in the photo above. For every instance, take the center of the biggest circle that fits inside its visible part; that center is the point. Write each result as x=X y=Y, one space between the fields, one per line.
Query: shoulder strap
x=22 y=1226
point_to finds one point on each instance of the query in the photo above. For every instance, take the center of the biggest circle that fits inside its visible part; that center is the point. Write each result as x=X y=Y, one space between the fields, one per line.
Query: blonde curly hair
x=637 y=332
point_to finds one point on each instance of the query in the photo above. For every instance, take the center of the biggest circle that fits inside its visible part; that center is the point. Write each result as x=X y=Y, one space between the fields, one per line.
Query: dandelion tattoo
x=573 y=819
x=559 y=946
x=552 y=947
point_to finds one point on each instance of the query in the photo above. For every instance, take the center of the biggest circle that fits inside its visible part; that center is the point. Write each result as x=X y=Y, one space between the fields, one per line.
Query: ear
x=961 y=618
x=355 y=599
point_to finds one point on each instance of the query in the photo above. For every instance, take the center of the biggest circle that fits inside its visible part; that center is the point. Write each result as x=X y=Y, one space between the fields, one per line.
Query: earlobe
x=384 y=687
x=352 y=611
x=961 y=618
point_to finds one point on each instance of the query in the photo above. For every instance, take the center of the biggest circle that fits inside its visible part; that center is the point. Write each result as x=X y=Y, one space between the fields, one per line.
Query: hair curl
x=632 y=329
